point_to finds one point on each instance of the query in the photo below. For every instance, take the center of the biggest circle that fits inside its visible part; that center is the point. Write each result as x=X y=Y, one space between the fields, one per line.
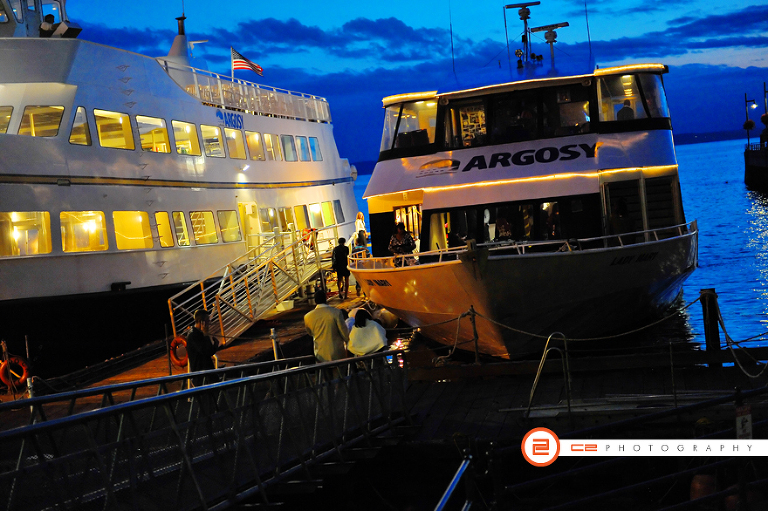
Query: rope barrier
x=730 y=344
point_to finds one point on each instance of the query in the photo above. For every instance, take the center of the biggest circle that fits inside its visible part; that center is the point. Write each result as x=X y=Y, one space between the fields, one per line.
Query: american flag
x=240 y=62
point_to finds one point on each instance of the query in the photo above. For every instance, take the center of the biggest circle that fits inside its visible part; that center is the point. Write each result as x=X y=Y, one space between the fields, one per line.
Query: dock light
x=749 y=103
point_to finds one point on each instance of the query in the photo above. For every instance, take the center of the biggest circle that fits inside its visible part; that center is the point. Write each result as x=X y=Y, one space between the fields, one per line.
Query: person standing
x=328 y=330
x=359 y=223
x=339 y=264
x=401 y=242
x=366 y=336
x=200 y=346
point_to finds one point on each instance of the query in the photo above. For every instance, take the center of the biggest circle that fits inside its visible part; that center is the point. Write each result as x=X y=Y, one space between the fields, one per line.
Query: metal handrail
x=361 y=262
x=226 y=92
x=566 y=371
x=207 y=447
x=453 y=484
x=63 y=404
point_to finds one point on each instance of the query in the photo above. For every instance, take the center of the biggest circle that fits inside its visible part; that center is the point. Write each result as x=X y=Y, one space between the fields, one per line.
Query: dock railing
x=241 y=292
x=204 y=448
x=224 y=92
x=362 y=261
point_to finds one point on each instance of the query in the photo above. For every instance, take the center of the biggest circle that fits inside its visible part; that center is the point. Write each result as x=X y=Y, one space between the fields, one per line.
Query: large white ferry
x=123 y=175
x=559 y=191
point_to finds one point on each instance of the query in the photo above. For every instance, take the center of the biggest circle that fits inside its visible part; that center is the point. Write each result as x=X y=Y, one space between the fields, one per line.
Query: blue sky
x=356 y=53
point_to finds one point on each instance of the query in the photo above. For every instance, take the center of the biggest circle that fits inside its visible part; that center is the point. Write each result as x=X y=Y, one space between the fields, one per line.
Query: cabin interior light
x=14 y=217
x=15 y=233
x=90 y=226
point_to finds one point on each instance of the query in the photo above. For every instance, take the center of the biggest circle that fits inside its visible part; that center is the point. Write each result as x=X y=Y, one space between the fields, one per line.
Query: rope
x=730 y=344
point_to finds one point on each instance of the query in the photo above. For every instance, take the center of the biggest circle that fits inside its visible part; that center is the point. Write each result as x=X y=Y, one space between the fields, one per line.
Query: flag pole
x=232 y=63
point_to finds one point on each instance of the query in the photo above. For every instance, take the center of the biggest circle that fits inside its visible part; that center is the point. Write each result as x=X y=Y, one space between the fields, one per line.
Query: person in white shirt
x=367 y=336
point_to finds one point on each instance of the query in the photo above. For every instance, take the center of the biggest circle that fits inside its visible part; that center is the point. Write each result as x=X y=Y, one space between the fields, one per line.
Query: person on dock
x=339 y=264
x=366 y=336
x=328 y=330
x=200 y=346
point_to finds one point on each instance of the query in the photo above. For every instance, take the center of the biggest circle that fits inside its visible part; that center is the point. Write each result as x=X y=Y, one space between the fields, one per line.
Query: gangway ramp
x=208 y=447
x=240 y=293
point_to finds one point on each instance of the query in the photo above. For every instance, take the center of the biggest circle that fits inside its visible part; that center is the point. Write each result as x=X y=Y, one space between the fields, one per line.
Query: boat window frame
x=89 y=138
x=176 y=139
x=164 y=128
x=161 y=237
x=8 y=124
x=24 y=115
x=123 y=115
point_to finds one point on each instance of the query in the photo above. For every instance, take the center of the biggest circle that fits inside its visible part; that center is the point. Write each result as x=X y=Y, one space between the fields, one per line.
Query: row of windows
x=17 y=6
x=29 y=233
x=114 y=130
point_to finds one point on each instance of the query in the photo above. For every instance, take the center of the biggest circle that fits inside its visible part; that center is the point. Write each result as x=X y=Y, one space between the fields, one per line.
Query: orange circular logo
x=540 y=447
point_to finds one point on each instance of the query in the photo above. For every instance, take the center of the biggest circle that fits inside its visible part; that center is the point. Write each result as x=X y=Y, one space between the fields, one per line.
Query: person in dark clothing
x=339 y=263
x=200 y=346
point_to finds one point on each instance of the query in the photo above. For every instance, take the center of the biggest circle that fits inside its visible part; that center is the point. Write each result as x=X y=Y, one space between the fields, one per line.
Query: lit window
x=41 y=121
x=83 y=231
x=272 y=147
x=289 y=148
x=132 y=230
x=212 y=141
x=328 y=218
x=203 y=227
x=180 y=228
x=235 y=144
x=153 y=134
x=25 y=233
x=286 y=218
x=316 y=216
x=164 y=229
x=81 y=133
x=114 y=129
x=268 y=219
x=255 y=147
x=185 y=134
x=16 y=8
x=52 y=7
x=314 y=146
x=230 y=230
x=303 y=148
x=302 y=218
x=5 y=118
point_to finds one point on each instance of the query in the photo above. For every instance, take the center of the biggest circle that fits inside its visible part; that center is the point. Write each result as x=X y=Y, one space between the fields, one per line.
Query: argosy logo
x=230 y=120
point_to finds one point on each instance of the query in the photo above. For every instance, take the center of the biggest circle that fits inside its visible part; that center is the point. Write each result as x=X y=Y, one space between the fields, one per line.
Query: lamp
x=749 y=103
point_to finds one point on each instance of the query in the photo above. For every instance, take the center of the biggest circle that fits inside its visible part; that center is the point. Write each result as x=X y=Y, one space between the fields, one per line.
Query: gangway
x=208 y=447
x=240 y=293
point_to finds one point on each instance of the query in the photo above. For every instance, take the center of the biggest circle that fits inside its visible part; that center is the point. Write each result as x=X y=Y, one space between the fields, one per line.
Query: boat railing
x=362 y=261
x=231 y=93
x=757 y=146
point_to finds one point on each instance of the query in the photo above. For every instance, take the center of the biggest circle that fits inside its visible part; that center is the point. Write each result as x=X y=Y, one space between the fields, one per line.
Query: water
x=733 y=238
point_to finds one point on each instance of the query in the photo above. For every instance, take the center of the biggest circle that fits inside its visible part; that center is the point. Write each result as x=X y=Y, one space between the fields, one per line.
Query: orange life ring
x=306 y=237
x=176 y=359
x=9 y=371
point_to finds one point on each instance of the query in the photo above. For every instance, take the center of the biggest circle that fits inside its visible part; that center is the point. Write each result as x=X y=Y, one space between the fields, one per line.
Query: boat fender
x=14 y=371
x=175 y=358
x=388 y=319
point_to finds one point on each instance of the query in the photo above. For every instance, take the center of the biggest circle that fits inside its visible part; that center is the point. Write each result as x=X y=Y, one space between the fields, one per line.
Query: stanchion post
x=273 y=336
x=168 y=350
x=711 y=315
x=474 y=333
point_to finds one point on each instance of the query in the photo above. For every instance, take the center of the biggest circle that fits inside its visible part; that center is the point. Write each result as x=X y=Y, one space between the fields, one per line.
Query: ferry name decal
x=531 y=156
x=230 y=119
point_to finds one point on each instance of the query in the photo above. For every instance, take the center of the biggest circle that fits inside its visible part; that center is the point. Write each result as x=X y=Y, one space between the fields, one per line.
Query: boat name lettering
x=531 y=156
x=230 y=119
x=377 y=282
x=648 y=256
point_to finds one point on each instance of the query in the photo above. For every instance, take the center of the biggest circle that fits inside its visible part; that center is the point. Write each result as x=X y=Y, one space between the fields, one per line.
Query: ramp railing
x=204 y=448
x=241 y=292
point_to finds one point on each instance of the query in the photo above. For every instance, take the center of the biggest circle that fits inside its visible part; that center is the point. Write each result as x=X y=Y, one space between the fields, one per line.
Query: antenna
x=550 y=36
x=450 y=25
x=524 y=14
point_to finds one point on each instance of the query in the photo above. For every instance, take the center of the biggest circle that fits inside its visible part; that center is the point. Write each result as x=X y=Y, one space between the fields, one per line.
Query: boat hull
x=756 y=168
x=583 y=294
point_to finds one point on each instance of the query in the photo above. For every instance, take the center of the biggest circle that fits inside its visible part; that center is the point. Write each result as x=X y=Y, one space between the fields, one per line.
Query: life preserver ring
x=306 y=237
x=10 y=369
x=175 y=358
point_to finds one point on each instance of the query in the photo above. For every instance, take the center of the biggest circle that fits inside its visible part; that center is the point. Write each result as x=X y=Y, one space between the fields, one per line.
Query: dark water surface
x=733 y=241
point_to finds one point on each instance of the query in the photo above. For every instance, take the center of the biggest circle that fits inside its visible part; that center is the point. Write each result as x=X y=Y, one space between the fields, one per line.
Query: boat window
x=662 y=207
x=81 y=133
x=83 y=231
x=180 y=228
x=316 y=216
x=203 y=227
x=513 y=117
x=25 y=233
x=235 y=144
x=230 y=229
x=164 y=229
x=3 y=16
x=185 y=134
x=289 y=147
x=212 y=141
x=625 y=210
x=31 y=5
x=328 y=217
x=132 y=230
x=5 y=118
x=629 y=97
x=314 y=146
x=41 y=121
x=565 y=111
x=338 y=211
x=52 y=7
x=255 y=147
x=272 y=147
x=268 y=219
x=301 y=216
x=114 y=129
x=468 y=124
x=303 y=148
x=653 y=93
x=16 y=8
x=153 y=134
x=391 y=114
x=417 y=124
x=286 y=218
x=411 y=217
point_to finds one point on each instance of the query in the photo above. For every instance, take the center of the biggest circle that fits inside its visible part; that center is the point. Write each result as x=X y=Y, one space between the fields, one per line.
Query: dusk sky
x=356 y=53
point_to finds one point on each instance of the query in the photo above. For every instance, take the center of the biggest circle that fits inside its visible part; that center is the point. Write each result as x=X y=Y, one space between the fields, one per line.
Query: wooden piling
x=711 y=313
